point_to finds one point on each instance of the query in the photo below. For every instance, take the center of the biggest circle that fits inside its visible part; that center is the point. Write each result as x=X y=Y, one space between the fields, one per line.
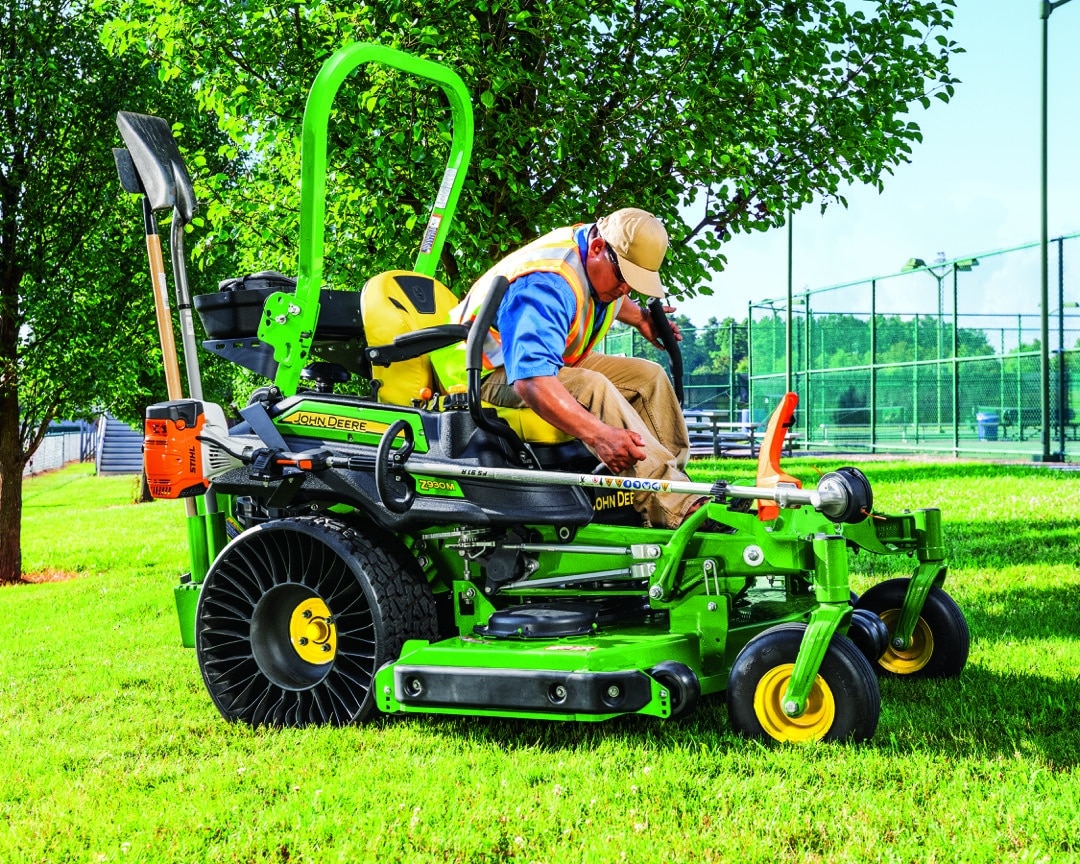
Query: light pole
x=920 y=264
x=1048 y=6
x=773 y=327
x=789 y=346
x=790 y=300
x=1061 y=401
x=963 y=265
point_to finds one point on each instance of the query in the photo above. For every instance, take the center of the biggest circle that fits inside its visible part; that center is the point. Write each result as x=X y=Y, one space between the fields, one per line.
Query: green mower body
x=353 y=557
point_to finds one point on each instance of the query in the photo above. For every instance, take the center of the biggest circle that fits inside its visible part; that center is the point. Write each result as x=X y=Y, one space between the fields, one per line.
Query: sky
x=972 y=186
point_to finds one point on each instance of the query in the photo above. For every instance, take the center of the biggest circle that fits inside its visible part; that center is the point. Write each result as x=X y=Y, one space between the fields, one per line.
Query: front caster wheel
x=297 y=615
x=844 y=701
x=939 y=646
x=869 y=634
x=682 y=685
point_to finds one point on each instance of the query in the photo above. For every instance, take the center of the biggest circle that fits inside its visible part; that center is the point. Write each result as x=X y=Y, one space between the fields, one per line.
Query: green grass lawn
x=111 y=749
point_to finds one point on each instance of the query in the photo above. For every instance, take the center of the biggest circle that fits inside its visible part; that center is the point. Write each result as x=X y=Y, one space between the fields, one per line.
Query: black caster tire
x=296 y=616
x=682 y=685
x=940 y=643
x=844 y=703
x=869 y=634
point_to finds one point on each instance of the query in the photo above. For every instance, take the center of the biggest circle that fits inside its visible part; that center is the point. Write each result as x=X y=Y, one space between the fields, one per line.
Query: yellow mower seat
x=400 y=301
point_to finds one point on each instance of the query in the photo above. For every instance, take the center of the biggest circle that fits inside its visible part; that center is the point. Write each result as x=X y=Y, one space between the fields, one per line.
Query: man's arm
x=534 y=318
x=546 y=395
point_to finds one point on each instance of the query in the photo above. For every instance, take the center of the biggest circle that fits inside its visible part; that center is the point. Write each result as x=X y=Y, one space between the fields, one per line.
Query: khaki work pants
x=628 y=393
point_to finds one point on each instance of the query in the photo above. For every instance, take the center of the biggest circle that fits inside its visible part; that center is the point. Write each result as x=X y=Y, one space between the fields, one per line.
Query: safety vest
x=556 y=252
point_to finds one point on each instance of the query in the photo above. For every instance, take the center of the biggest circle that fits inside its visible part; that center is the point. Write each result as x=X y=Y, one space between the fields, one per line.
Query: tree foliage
x=718 y=117
x=76 y=312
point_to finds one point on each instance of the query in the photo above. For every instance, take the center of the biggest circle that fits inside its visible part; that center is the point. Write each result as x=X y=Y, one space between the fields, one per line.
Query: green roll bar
x=288 y=323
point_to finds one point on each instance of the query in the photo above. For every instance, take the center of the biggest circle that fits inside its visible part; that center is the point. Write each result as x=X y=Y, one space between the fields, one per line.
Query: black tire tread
x=947 y=623
x=858 y=701
x=393 y=600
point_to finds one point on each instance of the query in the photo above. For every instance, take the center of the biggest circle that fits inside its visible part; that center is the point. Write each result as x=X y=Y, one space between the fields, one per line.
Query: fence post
x=1001 y=371
x=806 y=362
x=915 y=379
x=750 y=356
x=1020 y=378
x=955 y=364
x=1061 y=408
x=731 y=370
x=873 y=366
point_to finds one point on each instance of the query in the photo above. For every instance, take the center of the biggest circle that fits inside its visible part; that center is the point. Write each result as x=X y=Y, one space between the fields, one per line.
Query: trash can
x=751 y=416
x=986 y=423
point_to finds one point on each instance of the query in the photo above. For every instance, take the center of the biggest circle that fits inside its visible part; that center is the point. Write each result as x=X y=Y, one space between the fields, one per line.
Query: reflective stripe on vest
x=556 y=252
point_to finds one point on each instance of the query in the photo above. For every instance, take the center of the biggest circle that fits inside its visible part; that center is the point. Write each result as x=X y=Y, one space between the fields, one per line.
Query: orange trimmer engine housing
x=174 y=458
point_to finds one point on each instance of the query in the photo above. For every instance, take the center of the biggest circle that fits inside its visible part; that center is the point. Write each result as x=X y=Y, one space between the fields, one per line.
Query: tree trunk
x=11 y=467
x=144 y=490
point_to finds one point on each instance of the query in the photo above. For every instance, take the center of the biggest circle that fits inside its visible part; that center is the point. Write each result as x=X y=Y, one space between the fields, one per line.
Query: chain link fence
x=715 y=371
x=64 y=442
x=942 y=357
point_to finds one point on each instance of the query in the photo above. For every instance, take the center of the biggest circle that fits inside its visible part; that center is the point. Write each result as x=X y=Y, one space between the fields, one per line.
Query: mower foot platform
x=587 y=678
x=546 y=691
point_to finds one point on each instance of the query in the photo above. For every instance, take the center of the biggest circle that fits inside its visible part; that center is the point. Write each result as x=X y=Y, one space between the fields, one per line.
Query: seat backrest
x=397 y=302
x=401 y=301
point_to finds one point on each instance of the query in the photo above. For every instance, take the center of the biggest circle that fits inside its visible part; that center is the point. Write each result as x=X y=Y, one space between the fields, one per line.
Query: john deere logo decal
x=613 y=501
x=334 y=421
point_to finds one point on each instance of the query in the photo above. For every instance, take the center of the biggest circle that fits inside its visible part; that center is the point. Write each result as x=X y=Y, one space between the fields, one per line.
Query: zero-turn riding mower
x=417 y=551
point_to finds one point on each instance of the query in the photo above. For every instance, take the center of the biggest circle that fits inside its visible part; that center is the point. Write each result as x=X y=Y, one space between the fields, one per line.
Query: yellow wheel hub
x=916 y=655
x=312 y=631
x=815 y=721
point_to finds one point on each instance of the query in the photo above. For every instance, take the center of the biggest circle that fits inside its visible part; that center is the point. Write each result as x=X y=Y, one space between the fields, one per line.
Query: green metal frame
x=288 y=324
x=933 y=395
x=801 y=559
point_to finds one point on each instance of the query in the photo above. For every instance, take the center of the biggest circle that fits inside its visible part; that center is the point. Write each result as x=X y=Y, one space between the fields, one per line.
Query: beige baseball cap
x=640 y=242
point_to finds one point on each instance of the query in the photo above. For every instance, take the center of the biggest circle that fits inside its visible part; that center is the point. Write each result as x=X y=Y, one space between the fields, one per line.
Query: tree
x=76 y=314
x=719 y=117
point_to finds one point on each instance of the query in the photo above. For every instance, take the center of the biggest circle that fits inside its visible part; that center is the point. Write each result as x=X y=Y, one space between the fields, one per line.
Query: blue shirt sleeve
x=534 y=320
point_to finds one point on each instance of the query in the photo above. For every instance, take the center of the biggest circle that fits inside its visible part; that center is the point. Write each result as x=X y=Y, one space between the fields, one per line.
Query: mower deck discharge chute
x=419 y=551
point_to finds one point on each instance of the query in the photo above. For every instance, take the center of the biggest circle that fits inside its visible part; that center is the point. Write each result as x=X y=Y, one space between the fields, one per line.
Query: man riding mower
x=418 y=551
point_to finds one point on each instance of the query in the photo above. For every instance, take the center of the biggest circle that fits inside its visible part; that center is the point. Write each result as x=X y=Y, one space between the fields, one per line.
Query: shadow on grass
x=980 y=715
x=893 y=472
x=983 y=714
x=1019 y=615
x=807 y=468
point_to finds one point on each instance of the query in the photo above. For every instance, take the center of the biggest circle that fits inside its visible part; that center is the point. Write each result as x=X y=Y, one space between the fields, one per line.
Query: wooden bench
x=718 y=437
